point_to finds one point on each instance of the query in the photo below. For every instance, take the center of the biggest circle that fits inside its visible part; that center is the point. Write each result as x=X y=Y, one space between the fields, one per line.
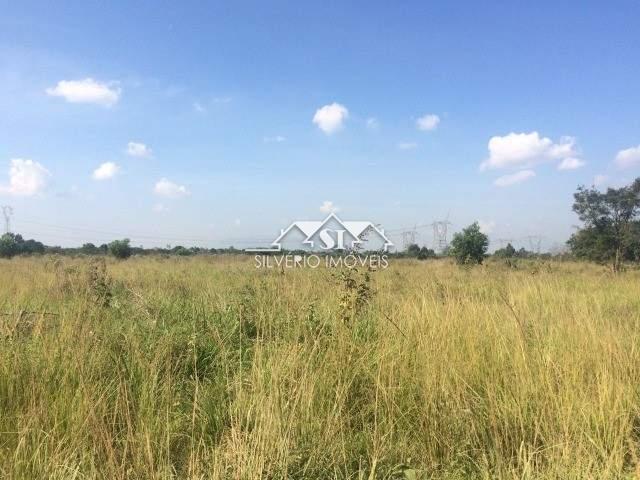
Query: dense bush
x=12 y=244
x=120 y=248
x=470 y=245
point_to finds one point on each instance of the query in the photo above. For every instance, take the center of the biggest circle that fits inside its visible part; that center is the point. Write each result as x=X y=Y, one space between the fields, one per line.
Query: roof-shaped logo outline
x=311 y=228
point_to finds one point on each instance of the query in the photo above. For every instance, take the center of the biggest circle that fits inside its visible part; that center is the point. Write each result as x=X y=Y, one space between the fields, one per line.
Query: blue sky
x=430 y=108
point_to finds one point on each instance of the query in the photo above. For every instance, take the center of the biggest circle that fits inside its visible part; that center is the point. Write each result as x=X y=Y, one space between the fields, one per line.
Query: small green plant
x=99 y=283
x=356 y=293
x=247 y=312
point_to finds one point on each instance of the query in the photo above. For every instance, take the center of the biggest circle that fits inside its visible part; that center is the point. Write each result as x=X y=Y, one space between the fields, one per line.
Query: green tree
x=610 y=232
x=426 y=253
x=181 y=251
x=120 y=248
x=32 y=246
x=90 y=249
x=9 y=246
x=413 y=250
x=470 y=245
x=506 y=252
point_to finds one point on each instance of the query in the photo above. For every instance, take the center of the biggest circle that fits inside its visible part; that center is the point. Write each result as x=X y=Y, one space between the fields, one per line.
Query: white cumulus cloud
x=330 y=118
x=514 y=178
x=137 y=149
x=87 y=90
x=428 y=122
x=26 y=178
x=523 y=150
x=570 y=163
x=106 y=171
x=166 y=188
x=628 y=158
x=328 y=207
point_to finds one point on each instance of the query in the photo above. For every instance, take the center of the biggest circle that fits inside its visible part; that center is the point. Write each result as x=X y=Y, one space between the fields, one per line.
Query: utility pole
x=7 y=212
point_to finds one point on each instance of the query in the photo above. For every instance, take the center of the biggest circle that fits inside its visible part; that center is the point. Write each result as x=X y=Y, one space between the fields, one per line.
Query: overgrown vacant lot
x=209 y=368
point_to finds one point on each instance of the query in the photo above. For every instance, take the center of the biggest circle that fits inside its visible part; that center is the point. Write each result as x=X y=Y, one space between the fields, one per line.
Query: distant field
x=198 y=368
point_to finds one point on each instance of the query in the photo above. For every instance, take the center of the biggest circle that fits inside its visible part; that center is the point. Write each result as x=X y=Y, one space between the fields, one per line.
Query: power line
x=440 y=230
x=505 y=240
x=83 y=235
x=111 y=234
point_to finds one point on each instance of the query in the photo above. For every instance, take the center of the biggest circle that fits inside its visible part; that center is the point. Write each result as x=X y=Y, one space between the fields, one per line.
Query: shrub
x=426 y=253
x=120 y=248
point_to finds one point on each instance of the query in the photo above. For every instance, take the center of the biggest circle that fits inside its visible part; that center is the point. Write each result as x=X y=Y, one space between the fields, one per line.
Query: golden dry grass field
x=206 y=368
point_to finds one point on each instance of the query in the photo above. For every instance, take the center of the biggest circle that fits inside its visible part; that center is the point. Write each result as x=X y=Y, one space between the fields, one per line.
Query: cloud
x=328 y=207
x=570 y=163
x=274 y=139
x=167 y=188
x=628 y=158
x=26 y=178
x=487 y=227
x=407 y=146
x=86 y=91
x=514 y=178
x=330 y=118
x=523 y=150
x=373 y=123
x=428 y=122
x=136 y=149
x=198 y=107
x=106 y=171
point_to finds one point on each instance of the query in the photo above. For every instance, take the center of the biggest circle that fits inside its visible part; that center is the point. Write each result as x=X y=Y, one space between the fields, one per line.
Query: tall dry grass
x=207 y=368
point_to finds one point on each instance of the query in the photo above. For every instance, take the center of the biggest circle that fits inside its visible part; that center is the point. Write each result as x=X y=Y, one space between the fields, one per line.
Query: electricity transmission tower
x=534 y=242
x=7 y=212
x=408 y=238
x=440 y=228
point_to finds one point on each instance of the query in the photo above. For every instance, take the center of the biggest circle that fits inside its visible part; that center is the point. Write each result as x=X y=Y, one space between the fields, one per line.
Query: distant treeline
x=12 y=244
